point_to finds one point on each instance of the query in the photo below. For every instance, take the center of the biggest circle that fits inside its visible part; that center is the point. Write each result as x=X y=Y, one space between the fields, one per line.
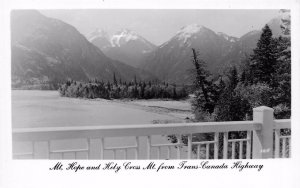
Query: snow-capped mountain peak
x=186 y=32
x=122 y=37
x=124 y=45
x=191 y=29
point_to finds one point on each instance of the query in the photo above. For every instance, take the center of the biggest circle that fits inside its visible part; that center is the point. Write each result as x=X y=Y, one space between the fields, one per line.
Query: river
x=33 y=108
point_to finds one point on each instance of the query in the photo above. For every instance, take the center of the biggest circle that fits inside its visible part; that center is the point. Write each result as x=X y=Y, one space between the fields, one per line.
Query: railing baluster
x=137 y=147
x=289 y=147
x=277 y=145
x=148 y=147
x=283 y=147
x=102 y=148
x=225 y=145
x=233 y=150
x=88 y=148
x=216 y=145
x=248 y=146
x=125 y=153
x=207 y=151
x=241 y=150
x=198 y=151
x=189 y=146
x=49 y=150
x=33 y=150
x=168 y=152
x=158 y=152
x=114 y=154
x=178 y=146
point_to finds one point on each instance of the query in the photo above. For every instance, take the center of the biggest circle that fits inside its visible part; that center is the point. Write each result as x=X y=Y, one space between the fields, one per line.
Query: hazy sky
x=158 y=26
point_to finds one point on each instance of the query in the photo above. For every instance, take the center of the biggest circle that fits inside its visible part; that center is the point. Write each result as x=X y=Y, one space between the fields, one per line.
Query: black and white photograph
x=151 y=84
x=149 y=93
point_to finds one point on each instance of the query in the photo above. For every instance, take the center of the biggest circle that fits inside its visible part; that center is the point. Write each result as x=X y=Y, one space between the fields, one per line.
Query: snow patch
x=124 y=35
x=186 y=32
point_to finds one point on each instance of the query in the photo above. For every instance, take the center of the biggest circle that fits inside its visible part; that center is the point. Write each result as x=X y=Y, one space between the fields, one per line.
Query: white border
x=276 y=173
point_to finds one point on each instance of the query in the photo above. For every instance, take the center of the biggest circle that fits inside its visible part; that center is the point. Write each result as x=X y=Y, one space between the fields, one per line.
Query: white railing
x=282 y=142
x=256 y=142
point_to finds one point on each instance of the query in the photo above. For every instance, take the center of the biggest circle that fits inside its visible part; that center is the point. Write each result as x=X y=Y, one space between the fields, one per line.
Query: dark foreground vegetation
x=264 y=79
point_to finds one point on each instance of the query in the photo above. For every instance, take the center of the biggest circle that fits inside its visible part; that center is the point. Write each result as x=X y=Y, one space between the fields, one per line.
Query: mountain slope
x=45 y=49
x=125 y=45
x=172 y=60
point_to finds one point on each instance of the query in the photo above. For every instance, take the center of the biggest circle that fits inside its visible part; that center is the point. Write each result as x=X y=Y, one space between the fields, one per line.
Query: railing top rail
x=282 y=124
x=55 y=133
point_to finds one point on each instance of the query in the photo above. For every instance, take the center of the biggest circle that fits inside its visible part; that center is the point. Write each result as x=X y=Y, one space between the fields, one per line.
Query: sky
x=158 y=26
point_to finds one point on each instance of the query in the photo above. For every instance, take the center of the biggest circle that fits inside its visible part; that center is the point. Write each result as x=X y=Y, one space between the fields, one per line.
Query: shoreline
x=41 y=108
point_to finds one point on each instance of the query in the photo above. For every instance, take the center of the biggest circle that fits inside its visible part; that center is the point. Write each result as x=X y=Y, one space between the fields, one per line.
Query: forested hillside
x=264 y=80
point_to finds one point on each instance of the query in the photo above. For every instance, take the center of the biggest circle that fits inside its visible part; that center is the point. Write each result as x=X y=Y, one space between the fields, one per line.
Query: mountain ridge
x=124 y=45
x=46 y=49
x=171 y=61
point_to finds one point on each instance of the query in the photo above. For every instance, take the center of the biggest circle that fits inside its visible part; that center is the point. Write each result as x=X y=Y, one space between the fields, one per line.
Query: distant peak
x=186 y=32
x=122 y=36
x=193 y=28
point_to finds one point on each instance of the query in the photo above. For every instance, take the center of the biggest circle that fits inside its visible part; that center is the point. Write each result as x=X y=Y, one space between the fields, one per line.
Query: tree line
x=122 y=90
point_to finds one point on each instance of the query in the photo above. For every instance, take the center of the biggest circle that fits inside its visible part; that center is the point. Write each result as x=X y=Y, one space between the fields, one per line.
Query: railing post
x=263 y=139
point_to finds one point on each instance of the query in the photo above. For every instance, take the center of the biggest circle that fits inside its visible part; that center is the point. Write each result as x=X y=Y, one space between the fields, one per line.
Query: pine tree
x=230 y=105
x=115 y=80
x=286 y=22
x=263 y=61
x=135 y=81
x=203 y=101
x=233 y=78
x=282 y=93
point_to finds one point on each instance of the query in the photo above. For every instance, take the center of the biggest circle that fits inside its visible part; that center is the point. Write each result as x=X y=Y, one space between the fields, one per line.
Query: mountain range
x=171 y=61
x=46 y=49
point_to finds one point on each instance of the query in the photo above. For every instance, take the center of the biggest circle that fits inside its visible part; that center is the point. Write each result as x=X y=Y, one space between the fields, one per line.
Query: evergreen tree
x=286 y=22
x=231 y=106
x=282 y=92
x=135 y=81
x=203 y=101
x=174 y=92
x=115 y=80
x=263 y=61
x=233 y=78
